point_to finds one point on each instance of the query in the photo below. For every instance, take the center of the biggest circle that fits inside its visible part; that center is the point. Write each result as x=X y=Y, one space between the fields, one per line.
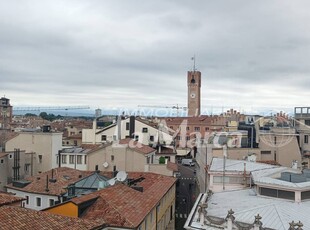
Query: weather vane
x=194 y=59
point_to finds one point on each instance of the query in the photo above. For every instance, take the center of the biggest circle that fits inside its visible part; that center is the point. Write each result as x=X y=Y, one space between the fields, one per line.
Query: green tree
x=43 y=115
x=162 y=160
x=30 y=115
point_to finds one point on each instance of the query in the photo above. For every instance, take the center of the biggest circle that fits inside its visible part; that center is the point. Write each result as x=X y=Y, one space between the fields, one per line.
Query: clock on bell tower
x=193 y=96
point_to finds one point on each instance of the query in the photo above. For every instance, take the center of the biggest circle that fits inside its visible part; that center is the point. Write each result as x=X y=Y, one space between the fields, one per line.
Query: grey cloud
x=119 y=53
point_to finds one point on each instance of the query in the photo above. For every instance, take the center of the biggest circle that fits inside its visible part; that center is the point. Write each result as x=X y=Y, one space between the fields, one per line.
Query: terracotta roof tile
x=16 y=218
x=91 y=146
x=172 y=166
x=166 y=151
x=7 y=198
x=115 y=204
x=64 y=176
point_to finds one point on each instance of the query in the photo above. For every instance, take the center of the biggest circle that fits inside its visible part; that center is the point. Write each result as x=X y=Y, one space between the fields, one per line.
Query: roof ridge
x=282 y=222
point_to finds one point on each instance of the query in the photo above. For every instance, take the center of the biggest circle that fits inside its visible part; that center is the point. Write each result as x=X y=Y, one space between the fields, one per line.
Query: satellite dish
x=105 y=164
x=121 y=176
x=112 y=181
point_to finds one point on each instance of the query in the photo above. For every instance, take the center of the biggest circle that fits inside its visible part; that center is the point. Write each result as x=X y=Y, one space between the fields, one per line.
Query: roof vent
x=21 y=183
x=67 y=177
x=138 y=188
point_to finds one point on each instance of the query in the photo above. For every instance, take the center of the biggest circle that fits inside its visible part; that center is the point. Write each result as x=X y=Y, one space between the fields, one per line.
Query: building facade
x=42 y=146
x=142 y=130
x=13 y=166
x=128 y=155
x=5 y=120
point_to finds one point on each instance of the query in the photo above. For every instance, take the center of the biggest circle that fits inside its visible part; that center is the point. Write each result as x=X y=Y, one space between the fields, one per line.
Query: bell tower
x=193 y=96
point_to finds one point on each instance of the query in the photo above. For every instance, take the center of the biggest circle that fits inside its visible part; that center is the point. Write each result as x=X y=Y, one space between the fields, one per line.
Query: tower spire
x=194 y=59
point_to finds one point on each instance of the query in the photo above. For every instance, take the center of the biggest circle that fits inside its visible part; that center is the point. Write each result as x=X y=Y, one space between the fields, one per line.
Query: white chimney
x=294 y=164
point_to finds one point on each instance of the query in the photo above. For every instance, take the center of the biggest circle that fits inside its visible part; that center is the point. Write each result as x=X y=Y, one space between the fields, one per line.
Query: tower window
x=193 y=80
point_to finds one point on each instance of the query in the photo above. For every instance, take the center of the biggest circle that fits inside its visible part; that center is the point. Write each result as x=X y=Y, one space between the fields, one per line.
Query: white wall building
x=142 y=130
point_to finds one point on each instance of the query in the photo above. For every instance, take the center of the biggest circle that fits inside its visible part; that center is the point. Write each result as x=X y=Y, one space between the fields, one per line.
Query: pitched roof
x=165 y=151
x=7 y=198
x=203 y=119
x=10 y=135
x=172 y=166
x=91 y=146
x=3 y=154
x=64 y=176
x=136 y=146
x=20 y=218
x=74 y=136
x=106 y=128
x=115 y=205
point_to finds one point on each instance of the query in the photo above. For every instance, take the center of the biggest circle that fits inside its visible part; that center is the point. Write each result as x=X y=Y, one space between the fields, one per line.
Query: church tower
x=193 y=96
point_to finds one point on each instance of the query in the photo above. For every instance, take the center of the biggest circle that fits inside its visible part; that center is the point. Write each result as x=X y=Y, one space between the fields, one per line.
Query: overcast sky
x=252 y=54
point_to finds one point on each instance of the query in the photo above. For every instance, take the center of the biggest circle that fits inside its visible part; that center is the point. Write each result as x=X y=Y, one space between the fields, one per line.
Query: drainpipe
x=156 y=216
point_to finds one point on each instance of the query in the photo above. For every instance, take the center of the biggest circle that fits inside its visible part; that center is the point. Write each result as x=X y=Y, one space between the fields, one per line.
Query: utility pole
x=224 y=163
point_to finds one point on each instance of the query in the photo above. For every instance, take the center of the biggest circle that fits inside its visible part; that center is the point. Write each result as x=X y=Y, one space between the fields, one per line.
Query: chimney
x=52 y=180
x=294 y=164
x=46 y=189
x=132 y=126
x=59 y=158
x=119 y=128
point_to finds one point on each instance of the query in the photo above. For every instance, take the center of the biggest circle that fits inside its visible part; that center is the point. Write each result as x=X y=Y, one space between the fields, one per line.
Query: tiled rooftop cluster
x=6 y=199
x=16 y=218
x=63 y=177
x=121 y=205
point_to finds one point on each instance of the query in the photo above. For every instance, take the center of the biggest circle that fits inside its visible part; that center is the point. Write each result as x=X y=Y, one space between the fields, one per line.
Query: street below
x=186 y=193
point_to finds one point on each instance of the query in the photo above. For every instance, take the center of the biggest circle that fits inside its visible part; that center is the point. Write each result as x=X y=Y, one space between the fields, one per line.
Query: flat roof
x=246 y=204
x=275 y=213
x=217 y=165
